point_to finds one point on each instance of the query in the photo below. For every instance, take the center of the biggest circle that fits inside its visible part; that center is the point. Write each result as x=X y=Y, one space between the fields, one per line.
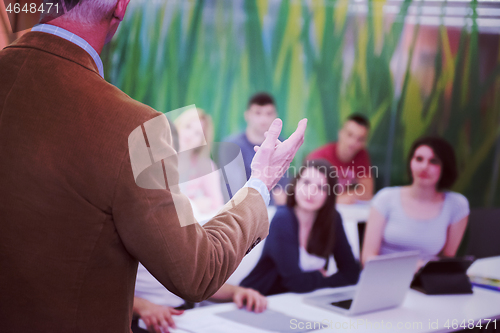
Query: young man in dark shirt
x=260 y=113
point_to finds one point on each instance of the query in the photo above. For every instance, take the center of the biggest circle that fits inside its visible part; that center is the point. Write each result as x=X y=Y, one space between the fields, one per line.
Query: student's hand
x=274 y=157
x=156 y=317
x=323 y=272
x=253 y=299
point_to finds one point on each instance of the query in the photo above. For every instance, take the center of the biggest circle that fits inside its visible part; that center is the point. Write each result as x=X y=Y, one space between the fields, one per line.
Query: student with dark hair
x=260 y=113
x=350 y=160
x=261 y=99
x=307 y=247
x=424 y=216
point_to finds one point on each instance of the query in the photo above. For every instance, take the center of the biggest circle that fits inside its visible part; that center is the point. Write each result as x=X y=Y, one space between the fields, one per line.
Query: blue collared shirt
x=63 y=33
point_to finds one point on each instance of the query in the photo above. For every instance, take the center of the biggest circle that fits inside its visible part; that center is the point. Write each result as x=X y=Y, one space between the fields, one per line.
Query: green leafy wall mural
x=324 y=60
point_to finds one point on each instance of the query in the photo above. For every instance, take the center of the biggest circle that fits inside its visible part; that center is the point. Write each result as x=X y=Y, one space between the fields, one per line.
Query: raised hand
x=274 y=157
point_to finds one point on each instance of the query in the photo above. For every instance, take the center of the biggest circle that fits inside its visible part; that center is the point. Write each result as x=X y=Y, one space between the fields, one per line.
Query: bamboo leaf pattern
x=322 y=60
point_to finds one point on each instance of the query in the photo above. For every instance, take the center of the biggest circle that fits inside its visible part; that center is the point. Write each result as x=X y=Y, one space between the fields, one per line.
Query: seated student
x=155 y=305
x=303 y=237
x=350 y=160
x=197 y=181
x=423 y=216
x=260 y=113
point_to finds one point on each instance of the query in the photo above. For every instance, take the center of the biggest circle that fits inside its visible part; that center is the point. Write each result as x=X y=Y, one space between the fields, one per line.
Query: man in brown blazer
x=73 y=221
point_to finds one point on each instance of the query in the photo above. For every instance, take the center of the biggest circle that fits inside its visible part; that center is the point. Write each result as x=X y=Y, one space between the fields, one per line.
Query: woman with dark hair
x=424 y=216
x=307 y=247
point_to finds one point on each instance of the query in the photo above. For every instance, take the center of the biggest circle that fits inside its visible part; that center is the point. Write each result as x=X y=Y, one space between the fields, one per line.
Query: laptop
x=383 y=284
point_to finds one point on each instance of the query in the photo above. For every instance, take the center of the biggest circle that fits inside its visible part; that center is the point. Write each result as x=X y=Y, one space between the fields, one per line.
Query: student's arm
x=253 y=300
x=373 y=235
x=156 y=317
x=363 y=191
x=459 y=217
x=348 y=268
x=454 y=237
x=365 y=181
x=367 y=185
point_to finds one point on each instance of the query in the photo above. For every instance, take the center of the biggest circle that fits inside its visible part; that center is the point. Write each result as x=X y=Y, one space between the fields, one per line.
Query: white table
x=418 y=313
x=486 y=267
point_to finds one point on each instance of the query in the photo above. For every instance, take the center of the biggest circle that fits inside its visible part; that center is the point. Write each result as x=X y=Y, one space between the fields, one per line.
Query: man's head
x=353 y=135
x=85 y=14
x=260 y=113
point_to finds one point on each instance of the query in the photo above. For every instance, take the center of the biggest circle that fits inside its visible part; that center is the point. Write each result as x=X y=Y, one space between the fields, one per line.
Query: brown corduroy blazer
x=73 y=222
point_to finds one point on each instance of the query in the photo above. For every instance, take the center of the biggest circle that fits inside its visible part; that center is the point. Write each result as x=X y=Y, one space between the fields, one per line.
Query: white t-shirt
x=403 y=233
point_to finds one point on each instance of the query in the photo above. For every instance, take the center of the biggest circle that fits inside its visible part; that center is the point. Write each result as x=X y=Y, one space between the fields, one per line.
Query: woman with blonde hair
x=197 y=177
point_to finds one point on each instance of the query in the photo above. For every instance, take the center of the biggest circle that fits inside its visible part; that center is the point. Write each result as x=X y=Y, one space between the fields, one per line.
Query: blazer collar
x=56 y=45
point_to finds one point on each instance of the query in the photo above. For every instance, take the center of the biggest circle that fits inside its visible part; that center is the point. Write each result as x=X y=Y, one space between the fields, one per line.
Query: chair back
x=482 y=238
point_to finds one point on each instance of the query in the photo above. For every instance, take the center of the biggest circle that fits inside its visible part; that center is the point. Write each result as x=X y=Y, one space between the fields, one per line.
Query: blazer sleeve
x=191 y=261
x=283 y=248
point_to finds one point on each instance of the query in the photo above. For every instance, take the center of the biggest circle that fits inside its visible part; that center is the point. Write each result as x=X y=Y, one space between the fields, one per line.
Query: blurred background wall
x=412 y=67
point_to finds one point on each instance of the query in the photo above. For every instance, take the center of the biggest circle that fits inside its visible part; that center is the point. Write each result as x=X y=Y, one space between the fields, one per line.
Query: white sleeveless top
x=310 y=262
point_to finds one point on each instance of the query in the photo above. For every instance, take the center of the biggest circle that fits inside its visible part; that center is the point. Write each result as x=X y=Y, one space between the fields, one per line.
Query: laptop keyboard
x=343 y=304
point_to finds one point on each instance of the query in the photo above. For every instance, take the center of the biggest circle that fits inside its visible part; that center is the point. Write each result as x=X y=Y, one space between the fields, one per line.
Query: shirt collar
x=75 y=39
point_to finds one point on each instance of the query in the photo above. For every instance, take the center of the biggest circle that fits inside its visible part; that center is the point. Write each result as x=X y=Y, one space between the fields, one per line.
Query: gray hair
x=85 y=11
